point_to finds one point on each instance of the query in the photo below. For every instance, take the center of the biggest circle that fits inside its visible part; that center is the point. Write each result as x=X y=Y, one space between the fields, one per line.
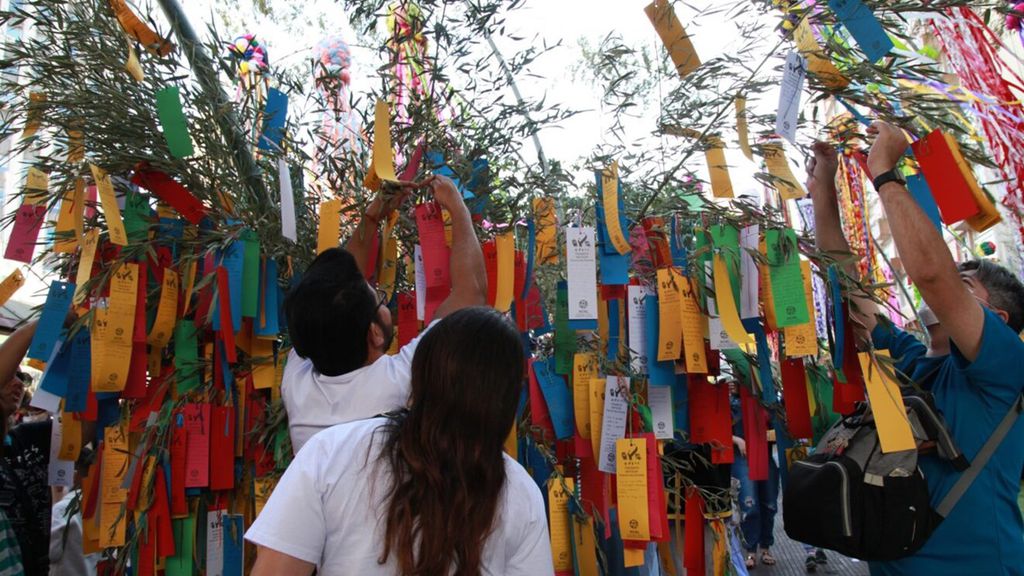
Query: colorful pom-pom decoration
x=1015 y=16
x=333 y=60
x=986 y=248
x=250 y=54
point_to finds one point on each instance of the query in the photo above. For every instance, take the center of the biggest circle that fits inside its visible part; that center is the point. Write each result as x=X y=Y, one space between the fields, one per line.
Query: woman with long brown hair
x=426 y=492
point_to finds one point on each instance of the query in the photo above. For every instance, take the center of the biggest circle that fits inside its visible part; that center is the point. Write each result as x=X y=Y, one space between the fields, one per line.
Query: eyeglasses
x=382 y=297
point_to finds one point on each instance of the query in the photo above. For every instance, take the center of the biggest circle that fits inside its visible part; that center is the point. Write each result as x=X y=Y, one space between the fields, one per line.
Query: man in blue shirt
x=980 y=306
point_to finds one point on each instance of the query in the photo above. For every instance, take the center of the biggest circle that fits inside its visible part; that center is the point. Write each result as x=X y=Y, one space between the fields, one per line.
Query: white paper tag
x=59 y=472
x=421 y=283
x=287 y=201
x=795 y=72
x=636 y=314
x=613 y=424
x=659 y=398
x=750 y=280
x=214 y=543
x=581 y=267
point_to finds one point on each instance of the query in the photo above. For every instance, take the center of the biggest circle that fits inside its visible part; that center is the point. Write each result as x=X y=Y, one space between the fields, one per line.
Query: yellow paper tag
x=559 y=496
x=693 y=330
x=610 y=203
x=37 y=180
x=262 y=488
x=584 y=367
x=166 y=312
x=727 y=305
x=786 y=183
x=10 y=285
x=113 y=330
x=189 y=284
x=132 y=65
x=382 y=168
x=547 y=230
x=108 y=200
x=69 y=219
x=330 y=225
x=115 y=464
x=34 y=113
x=802 y=340
x=894 y=433
x=766 y=289
x=506 y=248
x=113 y=522
x=632 y=557
x=597 y=386
x=673 y=36
x=388 y=258
x=512 y=442
x=264 y=372
x=70 y=437
x=631 y=488
x=670 y=314
x=76 y=146
x=742 y=132
x=84 y=273
x=817 y=63
x=721 y=184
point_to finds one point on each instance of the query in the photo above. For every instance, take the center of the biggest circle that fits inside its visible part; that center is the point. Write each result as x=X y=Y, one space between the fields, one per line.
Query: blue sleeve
x=904 y=348
x=997 y=369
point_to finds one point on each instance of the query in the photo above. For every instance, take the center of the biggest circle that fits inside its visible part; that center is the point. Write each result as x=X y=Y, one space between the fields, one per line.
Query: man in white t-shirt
x=341 y=327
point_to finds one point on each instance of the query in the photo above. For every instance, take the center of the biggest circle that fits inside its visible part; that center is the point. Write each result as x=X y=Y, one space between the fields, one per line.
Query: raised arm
x=13 y=350
x=922 y=249
x=469 y=277
x=361 y=241
x=828 y=232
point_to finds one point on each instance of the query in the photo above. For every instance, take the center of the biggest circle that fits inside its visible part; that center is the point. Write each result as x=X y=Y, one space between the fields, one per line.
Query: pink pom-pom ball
x=1013 y=19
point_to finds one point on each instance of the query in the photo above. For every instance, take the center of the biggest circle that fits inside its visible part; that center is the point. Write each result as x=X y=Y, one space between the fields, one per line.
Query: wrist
x=878 y=168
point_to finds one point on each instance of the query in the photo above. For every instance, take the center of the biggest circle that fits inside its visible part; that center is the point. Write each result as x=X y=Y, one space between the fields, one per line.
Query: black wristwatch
x=884 y=178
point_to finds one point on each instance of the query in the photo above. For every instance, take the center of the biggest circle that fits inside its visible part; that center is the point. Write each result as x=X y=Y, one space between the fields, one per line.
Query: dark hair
x=329 y=312
x=1005 y=290
x=446 y=454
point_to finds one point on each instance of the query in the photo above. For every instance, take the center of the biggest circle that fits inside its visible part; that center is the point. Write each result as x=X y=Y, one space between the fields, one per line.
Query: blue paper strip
x=557 y=396
x=659 y=373
x=764 y=359
x=233 y=544
x=531 y=254
x=51 y=321
x=856 y=114
x=79 y=372
x=782 y=443
x=275 y=114
x=864 y=27
x=919 y=189
x=613 y=330
x=232 y=259
x=268 y=302
x=681 y=404
x=679 y=252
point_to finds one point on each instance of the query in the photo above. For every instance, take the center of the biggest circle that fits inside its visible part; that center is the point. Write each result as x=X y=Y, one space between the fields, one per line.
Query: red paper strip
x=227 y=331
x=490 y=249
x=197 y=445
x=710 y=412
x=538 y=408
x=755 y=434
x=205 y=294
x=581 y=447
x=136 y=486
x=27 y=222
x=222 y=448
x=92 y=408
x=91 y=486
x=179 y=440
x=172 y=193
x=794 y=393
x=146 y=565
x=942 y=172
x=154 y=400
x=408 y=324
x=436 y=255
x=693 y=552
x=657 y=504
x=160 y=516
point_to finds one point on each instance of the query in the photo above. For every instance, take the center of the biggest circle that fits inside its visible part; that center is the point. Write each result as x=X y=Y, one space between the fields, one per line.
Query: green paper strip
x=251 y=275
x=184 y=540
x=172 y=119
x=136 y=217
x=565 y=337
x=186 y=356
x=727 y=240
x=787 y=281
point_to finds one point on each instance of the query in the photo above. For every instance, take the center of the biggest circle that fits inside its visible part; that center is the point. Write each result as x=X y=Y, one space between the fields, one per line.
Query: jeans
x=759 y=502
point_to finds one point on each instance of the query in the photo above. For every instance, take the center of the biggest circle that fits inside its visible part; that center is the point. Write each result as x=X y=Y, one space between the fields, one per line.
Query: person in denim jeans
x=758 y=500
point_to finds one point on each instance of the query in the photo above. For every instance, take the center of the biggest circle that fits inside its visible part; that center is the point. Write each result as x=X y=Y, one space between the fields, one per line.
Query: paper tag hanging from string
x=166 y=312
x=173 y=122
x=610 y=203
x=794 y=74
x=631 y=488
x=330 y=225
x=783 y=179
x=89 y=243
x=693 y=330
x=10 y=285
x=69 y=219
x=718 y=169
x=547 y=230
x=670 y=314
x=34 y=113
x=817 y=62
x=673 y=36
x=139 y=30
x=581 y=269
x=506 y=252
x=742 y=131
x=382 y=166
x=559 y=498
x=108 y=200
x=131 y=64
x=802 y=339
x=894 y=432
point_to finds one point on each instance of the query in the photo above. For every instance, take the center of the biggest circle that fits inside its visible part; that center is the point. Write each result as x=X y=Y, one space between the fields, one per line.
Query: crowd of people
x=400 y=467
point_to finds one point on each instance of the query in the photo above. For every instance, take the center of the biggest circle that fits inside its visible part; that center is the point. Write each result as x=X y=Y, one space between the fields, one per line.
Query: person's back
x=341 y=328
x=354 y=483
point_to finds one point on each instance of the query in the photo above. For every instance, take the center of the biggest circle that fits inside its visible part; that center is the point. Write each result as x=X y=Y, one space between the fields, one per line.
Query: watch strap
x=884 y=178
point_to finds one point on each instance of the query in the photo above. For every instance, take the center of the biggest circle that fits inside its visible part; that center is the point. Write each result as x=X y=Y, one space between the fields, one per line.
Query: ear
x=1003 y=314
x=375 y=337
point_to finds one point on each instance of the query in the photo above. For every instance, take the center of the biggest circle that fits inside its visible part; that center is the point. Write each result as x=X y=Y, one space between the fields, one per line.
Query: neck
x=372 y=356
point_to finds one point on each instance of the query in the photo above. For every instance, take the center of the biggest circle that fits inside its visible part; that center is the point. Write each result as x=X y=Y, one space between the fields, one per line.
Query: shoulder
x=340 y=444
x=520 y=488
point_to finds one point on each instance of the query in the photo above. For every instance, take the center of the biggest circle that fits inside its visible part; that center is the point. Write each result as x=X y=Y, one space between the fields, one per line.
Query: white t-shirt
x=66 y=556
x=328 y=509
x=315 y=402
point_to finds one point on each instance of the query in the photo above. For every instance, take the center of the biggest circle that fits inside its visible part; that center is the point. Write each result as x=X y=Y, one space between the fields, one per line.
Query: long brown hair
x=445 y=455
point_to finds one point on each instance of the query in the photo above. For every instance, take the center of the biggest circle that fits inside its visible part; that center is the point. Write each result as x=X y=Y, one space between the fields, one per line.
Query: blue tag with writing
x=267 y=319
x=51 y=321
x=275 y=114
x=557 y=396
x=863 y=26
